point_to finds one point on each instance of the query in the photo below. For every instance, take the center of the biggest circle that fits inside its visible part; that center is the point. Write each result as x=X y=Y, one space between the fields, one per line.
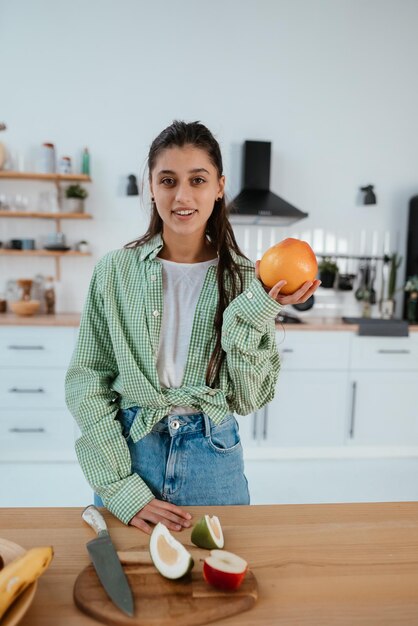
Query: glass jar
x=47 y=162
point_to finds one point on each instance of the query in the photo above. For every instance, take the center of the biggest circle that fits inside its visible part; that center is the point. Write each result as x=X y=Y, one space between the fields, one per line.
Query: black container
x=346 y=282
x=305 y=306
x=327 y=279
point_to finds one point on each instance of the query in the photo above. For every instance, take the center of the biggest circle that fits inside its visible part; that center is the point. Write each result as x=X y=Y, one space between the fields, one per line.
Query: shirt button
x=155 y=313
x=153 y=277
x=249 y=295
x=212 y=392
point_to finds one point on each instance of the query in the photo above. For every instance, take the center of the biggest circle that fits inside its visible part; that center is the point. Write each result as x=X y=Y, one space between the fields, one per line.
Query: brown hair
x=218 y=228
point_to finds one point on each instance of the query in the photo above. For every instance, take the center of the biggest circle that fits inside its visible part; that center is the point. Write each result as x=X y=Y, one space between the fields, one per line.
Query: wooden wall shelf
x=65 y=178
x=53 y=253
x=47 y=216
x=57 y=179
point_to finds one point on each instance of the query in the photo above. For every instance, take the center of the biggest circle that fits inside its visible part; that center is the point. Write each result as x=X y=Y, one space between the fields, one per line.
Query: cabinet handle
x=16 y=390
x=288 y=350
x=265 y=417
x=25 y=347
x=255 y=424
x=26 y=430
x=394 y=351
x=353 y=408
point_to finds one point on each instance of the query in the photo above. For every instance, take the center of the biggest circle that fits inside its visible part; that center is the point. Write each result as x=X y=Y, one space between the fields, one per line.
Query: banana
x=20 y=573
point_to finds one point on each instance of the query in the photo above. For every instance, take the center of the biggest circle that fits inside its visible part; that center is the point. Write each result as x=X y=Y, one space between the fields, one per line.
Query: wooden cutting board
x=188 y=601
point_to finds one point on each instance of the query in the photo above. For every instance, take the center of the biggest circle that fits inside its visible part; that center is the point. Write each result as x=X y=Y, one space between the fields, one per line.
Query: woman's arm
x=102 y=451
x=249 y=340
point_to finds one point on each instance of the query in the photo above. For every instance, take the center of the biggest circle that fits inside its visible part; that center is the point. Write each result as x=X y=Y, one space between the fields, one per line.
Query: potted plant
x=83 y=246
x=75 y=196
x=328 y=270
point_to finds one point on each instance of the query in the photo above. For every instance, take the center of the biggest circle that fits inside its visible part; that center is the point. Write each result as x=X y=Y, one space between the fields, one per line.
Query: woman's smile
x=184 y=214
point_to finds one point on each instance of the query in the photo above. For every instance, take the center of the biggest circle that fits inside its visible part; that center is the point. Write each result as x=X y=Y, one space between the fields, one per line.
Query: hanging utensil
x=359 y=292
x=372 y=296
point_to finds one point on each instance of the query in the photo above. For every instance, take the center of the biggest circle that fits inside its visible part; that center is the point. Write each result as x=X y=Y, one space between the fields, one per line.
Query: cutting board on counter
x=188 y=601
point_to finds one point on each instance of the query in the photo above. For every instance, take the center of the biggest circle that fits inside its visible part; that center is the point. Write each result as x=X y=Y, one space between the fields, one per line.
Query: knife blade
x=106 y=562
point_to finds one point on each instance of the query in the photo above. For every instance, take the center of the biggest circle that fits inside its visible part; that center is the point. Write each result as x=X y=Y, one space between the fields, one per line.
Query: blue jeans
x=188 y=460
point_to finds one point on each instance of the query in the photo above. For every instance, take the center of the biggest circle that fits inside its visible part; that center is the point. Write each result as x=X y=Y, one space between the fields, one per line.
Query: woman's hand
x=156 y=511
x=298 y=297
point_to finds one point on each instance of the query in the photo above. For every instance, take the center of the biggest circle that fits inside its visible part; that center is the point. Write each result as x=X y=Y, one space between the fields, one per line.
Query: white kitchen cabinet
x=310 y=481
x=384 y=353
x=36 y=436
x=310 y=406
x=309 y=409
x=33 y=389
x=37 y=432
x=383 y=379
x=383 y=408
x=343 y=425
x=36 y=347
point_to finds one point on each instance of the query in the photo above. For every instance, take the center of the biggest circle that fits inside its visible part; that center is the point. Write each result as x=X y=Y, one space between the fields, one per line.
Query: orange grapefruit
x=292 y=260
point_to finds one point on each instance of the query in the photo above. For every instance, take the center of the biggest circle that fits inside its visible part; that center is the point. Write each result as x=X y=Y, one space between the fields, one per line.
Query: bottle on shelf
x=49 y=295
x=85 y=163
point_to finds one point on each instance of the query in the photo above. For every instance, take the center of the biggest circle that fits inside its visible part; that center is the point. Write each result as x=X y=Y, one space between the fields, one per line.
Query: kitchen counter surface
x=328 y=323
x=59 y=319
x=320 y=323
x=73 y=319
x=315 y=564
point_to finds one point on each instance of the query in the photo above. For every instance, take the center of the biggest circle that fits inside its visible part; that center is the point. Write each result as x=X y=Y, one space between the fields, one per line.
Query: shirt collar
x=151 y=248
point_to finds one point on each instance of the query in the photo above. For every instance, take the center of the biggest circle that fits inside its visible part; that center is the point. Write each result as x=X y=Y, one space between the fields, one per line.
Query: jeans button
x=175 y=424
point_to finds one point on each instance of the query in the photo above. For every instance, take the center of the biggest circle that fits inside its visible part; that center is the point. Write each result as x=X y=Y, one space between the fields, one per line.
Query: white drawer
x=32 y=389
x=36 y=435
x=384 y=353
x=30 y=346
x=310 y=350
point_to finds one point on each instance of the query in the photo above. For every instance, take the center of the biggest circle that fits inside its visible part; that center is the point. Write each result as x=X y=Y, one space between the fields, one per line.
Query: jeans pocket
x=126 y=418
x=224 y=437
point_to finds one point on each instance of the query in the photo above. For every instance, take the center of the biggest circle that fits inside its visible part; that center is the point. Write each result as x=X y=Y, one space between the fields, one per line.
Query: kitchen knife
x=106 y=562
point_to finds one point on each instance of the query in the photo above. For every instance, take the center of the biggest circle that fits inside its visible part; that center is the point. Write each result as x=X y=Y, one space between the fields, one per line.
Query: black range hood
x=256 y=204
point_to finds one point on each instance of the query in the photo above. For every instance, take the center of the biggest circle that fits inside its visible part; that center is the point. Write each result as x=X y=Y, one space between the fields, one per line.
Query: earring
x=152 y=199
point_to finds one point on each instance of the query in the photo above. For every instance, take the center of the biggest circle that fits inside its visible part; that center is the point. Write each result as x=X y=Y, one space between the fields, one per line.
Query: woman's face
x=185 y=180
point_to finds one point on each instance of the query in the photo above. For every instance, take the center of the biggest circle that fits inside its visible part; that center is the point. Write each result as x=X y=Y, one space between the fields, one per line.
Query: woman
x=177 y=333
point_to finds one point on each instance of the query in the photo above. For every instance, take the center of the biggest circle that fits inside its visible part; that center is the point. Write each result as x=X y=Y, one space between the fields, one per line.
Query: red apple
x=224 y=570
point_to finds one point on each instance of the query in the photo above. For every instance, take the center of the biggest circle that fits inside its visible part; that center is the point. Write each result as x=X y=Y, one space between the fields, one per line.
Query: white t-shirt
x=182 y=284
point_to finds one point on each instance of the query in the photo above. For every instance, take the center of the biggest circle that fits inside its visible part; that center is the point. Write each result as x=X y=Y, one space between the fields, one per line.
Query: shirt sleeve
x=249 y=340
x=101 y=450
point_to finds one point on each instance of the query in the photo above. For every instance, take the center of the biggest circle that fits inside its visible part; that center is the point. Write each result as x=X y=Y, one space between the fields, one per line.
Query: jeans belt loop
x=207 y=425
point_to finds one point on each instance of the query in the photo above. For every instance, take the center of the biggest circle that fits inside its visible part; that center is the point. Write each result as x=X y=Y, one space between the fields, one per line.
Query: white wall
x=332 y=83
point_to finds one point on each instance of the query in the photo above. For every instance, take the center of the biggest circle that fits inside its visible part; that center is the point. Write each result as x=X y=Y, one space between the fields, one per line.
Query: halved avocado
x=207 y=533
x=169 y=556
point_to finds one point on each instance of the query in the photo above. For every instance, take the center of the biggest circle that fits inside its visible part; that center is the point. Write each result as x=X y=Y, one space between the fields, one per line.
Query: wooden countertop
x=73 y=319
x=323 y=564
x=59 y=319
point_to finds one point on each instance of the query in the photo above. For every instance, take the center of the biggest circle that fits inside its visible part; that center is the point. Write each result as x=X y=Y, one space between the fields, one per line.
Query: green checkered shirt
x=114 y=364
